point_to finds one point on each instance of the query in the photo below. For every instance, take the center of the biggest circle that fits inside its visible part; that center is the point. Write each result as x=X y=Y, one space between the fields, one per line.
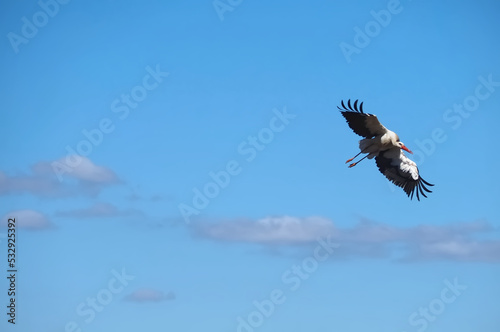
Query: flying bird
x=385 y=146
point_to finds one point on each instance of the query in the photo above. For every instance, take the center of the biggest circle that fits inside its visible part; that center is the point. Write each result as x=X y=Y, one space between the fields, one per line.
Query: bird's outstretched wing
x=363 y=124
x=402 y=171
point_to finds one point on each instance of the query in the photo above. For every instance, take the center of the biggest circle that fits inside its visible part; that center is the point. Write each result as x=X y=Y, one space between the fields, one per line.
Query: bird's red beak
x=406 y=149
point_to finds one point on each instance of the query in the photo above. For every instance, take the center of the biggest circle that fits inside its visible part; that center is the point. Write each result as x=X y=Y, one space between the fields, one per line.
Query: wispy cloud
x=149 y=295
x=98 y=210
x=136 y=195
x=133 y=197
x=459 y=249
x=457 y=241
x=28 y=219
x=85 y=178
x=81 y=169
x=269 y=230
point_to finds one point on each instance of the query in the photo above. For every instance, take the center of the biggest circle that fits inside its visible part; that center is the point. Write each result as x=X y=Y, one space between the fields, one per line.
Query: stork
x=384 y=145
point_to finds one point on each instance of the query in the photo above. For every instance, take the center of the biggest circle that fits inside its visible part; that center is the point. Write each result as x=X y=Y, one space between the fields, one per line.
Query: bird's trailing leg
x=349 y=160
x=354 y=164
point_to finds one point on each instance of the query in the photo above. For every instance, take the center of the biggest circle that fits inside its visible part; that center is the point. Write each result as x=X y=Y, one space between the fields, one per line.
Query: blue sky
x=118 y=116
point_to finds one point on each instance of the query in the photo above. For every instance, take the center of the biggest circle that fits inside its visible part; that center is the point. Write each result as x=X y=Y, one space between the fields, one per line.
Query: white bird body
x=384 y=145
x=373 y=146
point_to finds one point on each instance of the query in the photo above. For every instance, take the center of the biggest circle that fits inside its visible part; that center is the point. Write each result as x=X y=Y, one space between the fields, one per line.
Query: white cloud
x=268 y=230
x=85 y=178
x=149 y=295
x=77 y=167
x=457 y=241
x=28 y=219
x=460 y=249
x=33 y=184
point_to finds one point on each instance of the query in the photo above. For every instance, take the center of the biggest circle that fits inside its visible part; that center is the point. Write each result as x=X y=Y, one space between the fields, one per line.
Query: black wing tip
x=420 y=188
x=353 y=108
x=427 y=183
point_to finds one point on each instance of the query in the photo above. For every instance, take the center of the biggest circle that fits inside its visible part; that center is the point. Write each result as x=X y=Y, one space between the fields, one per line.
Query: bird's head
x=403 y=147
